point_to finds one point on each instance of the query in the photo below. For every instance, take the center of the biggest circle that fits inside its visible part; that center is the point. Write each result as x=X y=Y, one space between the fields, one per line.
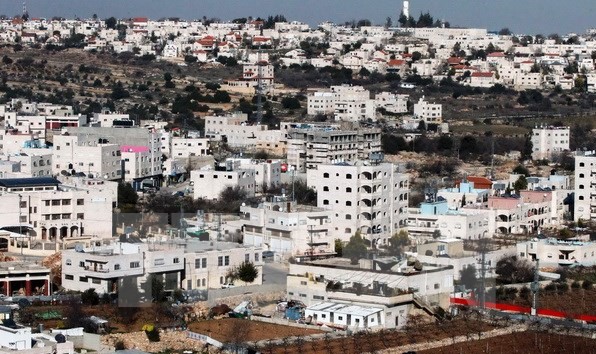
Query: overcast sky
x=521 y=16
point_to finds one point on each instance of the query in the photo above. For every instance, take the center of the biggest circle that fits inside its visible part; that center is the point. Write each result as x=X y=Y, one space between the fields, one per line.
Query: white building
x=367 y=197
x=185 y=147
x=554 y=253
x=236 y=131
x=267 y=172
x=428 y=112
x=49 y=210
x=209 y=183
x=285 y=227
x=344 y=315
x=585 y=189
x=549 y=141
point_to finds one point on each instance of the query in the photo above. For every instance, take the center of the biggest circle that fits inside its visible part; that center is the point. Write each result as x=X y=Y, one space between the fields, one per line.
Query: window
x=83 y=279
x=302 y=295
x=303 y=283
x=325 y=175
x=23 y=204
x=80 y=201
x=80 y=216
x=318 y=297
x=204 y=282
x=348 y=190
x=437 y=285
x=116 y=266
x=348 y=176
x=348 y=217
x=219 y=261
x=82 y=264
x=227 y=260
x=256 y=257
x=65 y=201
x=68 y=262
x=197 y=263
x=159 y=262
x=96 y=281
x=325 y=189
x=68 y=277
x=55 y=202
x=134 y=265
x=198 y=282
x=326 y=202
x=348 y=203
x=247 y=257
x=176 y=260
x=204 y=263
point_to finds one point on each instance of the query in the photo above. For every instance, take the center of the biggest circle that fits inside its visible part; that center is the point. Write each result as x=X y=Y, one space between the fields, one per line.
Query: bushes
x=587 y=285
x=151 y=332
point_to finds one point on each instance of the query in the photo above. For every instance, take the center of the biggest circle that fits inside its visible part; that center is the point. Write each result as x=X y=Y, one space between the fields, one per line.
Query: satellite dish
x=79 y=248
x=60 y=338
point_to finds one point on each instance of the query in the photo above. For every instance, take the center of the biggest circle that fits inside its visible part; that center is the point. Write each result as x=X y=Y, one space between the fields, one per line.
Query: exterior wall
x=554 y=253
x=549 y=141
x=15 y=339
x=86 y=155
x=585 y=203
x=63 y=213
x=185 y=147
x=430 y=113
x=372 y=199
x=203 y=269
x=32 y=164
x=208 y=184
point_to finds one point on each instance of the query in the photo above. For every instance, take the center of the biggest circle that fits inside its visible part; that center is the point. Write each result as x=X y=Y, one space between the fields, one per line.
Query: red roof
x=482 y=74
x=496 y=55
x=454 y=60
x=396 y=62
x=140 y=19
x=479 y=182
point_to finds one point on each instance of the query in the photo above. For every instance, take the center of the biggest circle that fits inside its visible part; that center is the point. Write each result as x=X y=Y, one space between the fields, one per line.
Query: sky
x=521 y=16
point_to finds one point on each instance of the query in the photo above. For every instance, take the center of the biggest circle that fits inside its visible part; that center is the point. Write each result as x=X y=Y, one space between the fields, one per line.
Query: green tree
x=111 y=22
x=521 y=170
x=521 y=184
x=355 y=248
x=339 y=245
x=90 y=297
x=127 y=198
x=247 y=272
x=303 y=193
x=511 y=270
x=398 y=242
x=157 y=288
x=468 y=276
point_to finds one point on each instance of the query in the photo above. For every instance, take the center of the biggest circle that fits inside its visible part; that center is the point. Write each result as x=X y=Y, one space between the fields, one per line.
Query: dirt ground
x=522 y=343
x=228 y=330
x=573 y=302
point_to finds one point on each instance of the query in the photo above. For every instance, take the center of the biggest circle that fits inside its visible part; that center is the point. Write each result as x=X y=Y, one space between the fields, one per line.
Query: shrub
x=562 y=288
x=587 y=285
x=151 y=332
x=575 y=285
x=550 y=288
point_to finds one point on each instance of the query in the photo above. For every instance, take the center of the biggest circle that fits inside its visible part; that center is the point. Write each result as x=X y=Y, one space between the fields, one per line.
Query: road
x=275 y=273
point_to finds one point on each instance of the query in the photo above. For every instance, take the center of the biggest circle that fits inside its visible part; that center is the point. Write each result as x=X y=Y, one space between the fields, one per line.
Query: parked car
x=268 y=254
x=228 y=286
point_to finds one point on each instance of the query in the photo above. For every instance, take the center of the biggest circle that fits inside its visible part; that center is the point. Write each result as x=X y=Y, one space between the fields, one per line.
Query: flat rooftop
x=19 y=267
x=346 y=309
x=206 y=246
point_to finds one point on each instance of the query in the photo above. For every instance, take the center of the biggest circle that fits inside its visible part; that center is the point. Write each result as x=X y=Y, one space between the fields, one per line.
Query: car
x=268 y=254
x=228 y=286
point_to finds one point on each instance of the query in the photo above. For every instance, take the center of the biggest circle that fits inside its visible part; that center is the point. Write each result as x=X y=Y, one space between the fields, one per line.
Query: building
x=549 y=141
x=430 y=113
x=558 y=253
x=367 y=197
x=393 y=286
x=45 y=209
x=141 y=166
x=235 y=130
x=286 y=227
x=104 y=268
x=585 y=190
x=31 y=163
x=345 y=315
x=209 y=264
x=24 y=279
x=311 y=146
x=209 y=183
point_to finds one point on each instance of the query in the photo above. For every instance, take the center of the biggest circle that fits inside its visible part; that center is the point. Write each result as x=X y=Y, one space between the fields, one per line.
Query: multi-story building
x=367 y=197
x=286 y=227
x=105 y=267
x=313 y=146
x=267 y=172
x=549 y=141
x=185 y=147
x=585 y=188
x=236 y=131
x=140 y=166
x=397 y=289
x=209 y=264
x=45 y=209
x=209 y=183
x=32 y=163
x=24 y=279
x=430 y=113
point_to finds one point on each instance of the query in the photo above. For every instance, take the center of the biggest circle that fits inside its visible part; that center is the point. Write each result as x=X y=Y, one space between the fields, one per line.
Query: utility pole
x=535 y=287
x=483 y=246
x=259 y=87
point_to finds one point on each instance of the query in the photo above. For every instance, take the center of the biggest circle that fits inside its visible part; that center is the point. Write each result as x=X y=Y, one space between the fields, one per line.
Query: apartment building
x=367 y=197
x=286 y=227
x=208 y=264
x=315 y=145
x=186 y=147
x=32 y=163
x=235 y=130
x=430 y=113
x=558 y=253
x=209 y=183
x=45 y=209
x=549 y=141
x=140 y=166
x=585 y=188
x=105 y=268
x=267 y=172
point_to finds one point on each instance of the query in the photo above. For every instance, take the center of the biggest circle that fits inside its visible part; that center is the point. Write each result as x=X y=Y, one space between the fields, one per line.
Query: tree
x=290 y=103
x=355 y=248
x=157 y=288
x=247 y=272
x=521 y=184
x=416 y=56
x=505 y=32
x=303 y=193
x=339 y=245
x=511 y=270
x=398 y=242
x=468 y=276
x=127 y=198
x=111 y=22
x=521 y=170
x=90 y=297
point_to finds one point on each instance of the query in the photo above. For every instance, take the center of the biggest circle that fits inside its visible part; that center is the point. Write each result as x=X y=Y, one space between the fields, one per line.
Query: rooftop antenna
x=24 y=9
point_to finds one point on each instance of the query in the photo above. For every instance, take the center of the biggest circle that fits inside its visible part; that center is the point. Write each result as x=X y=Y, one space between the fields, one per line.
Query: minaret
x=406 y=9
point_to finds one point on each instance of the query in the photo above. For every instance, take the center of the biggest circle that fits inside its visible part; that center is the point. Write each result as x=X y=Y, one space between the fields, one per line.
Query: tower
x=406 y=9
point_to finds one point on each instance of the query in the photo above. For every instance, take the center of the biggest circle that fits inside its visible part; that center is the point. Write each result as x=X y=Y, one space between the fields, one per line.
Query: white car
x=228 y=286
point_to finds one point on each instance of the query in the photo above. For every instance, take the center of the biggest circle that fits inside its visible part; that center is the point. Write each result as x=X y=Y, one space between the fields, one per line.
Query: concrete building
x=185 y=147
x=267 y=172
x=140 y=166
x=103 y=268
x=430 y=113
x=236 y=131
x=45 y=209
x=209 y=183
x=367 y=197
x=585 y=190
x=24 y=279
x=315 y=145
x=554 y=253
x=209 y=263
x=32 y=163
x=393 y=286
x=346 y=316
x=549 y=141
x=283 y=226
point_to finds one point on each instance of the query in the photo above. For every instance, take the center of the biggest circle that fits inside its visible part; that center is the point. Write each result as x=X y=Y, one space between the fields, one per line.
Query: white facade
x=287 y=228
x=428 y=112
x=549 y=141
x=52 y=210
x=267 y=172
x=31 y=163
x=349 y=316
x=185 y=147
x=554 y=253
x=585 y=189
x=370 y=198
x=209 y=183
x=235 y=130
